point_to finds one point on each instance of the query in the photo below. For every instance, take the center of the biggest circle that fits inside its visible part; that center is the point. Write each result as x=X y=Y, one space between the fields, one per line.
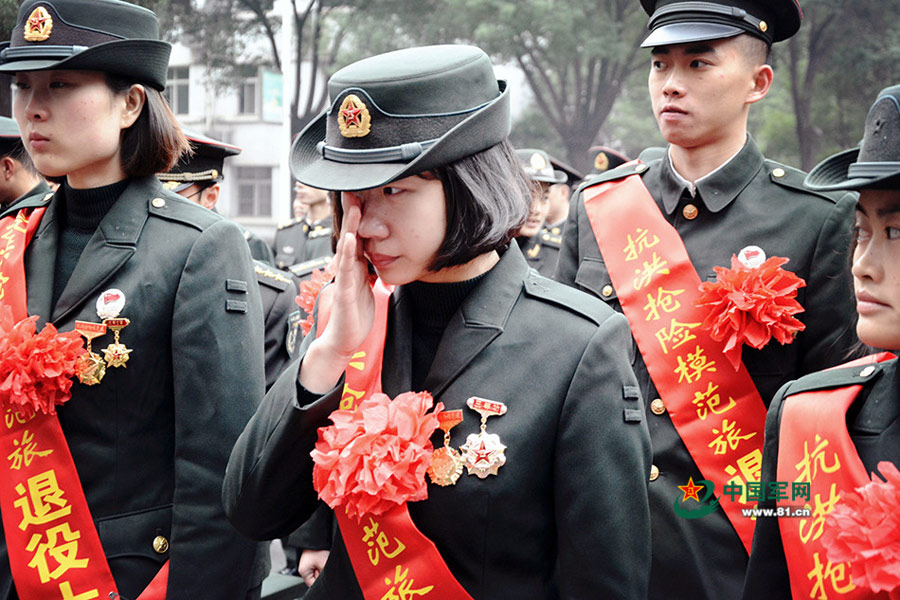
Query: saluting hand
x=352 y=307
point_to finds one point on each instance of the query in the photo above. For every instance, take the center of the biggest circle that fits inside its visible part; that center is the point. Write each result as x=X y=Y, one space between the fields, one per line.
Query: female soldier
x=553 y=500
x=830 y=430
x=159 y=286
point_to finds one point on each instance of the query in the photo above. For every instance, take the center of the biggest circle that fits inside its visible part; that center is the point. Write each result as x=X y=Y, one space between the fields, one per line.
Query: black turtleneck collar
x=433 y=304
x=84 y=209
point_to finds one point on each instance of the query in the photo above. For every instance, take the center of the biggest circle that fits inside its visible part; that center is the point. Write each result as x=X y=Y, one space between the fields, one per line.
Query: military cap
x=401 y=113
x=682 y=21
x=96 y=35
x=876 y=162
x=203 y=165
x=537 y=165
x=604 y=158
x=573 y=175
x=9 y=135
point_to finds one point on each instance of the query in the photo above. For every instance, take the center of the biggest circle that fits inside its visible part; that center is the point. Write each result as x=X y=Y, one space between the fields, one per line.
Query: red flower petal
x=751 y=306
x=36 y=369
x=374 y=458
x=864 y=530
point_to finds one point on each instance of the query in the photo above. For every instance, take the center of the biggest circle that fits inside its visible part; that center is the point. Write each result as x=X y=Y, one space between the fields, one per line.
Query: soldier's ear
x=134 y=100
x=210 y=196
x=762 y=81
x=7 y=168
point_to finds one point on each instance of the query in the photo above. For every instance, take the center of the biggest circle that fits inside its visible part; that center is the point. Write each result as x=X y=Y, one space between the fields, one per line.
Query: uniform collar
x=720 y=187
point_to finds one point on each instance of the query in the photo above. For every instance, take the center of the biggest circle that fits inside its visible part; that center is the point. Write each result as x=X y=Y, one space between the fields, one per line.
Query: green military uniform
x=298 y=241
x=281 y=315
x=750 y=201
x=542 y=250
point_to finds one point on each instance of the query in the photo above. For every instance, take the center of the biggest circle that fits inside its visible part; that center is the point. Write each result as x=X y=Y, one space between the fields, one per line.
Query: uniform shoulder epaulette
x=792 y=178
x=319 y=231
x=620 y=172
x=567 y=298
x=836 y=378
x=271 y=277
x=34 y=201
x=551 y=238
x=306 y=267
x=288 y=223
x=170 y=206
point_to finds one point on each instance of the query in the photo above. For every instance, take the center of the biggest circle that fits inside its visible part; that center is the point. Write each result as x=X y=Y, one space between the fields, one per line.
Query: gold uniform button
x=763 y=26
x=158 y=202
x=657 y=407
x=640 y=167
x=690 y=212
x=607 y=291
x=654 y=472
x=867 y=371
x=160 y=544
x=778 y=172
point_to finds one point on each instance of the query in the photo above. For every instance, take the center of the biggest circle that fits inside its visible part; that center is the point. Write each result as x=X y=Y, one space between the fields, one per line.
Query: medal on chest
x=446 y=462
x=483 y=452
x=109 y=305
x=91 y=367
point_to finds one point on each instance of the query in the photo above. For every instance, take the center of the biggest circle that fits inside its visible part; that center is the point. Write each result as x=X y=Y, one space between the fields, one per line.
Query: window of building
x=178 y=90
x=247 y=95
x=254 y=191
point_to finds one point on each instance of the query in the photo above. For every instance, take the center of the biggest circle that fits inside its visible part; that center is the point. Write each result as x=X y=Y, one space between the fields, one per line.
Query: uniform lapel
x=40 y=259
x=109 y=248
x=479 y=321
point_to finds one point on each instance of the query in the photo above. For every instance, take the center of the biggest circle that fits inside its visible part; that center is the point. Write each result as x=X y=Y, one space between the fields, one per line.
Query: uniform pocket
x=143 y=534
x=593 y=276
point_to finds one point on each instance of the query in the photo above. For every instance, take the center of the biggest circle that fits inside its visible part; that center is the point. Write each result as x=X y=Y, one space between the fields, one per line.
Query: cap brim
x=831 y=175
x=117 y=57
x=681 y=33
x=492 y=122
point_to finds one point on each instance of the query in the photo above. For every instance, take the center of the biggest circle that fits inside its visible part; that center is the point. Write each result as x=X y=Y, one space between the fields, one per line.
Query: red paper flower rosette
x=309 y=291
x=751 y=305
x=864 y=530
x=375 y=457
x=36 y=369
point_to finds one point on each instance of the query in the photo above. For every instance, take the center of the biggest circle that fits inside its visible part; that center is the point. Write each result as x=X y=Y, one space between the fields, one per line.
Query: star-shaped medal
x=690 y=490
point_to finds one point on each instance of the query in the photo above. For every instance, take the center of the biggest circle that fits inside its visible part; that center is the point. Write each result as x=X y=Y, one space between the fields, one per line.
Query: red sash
x=54 y=549
x=716 y=410
x=391 y=558
x=814 y=446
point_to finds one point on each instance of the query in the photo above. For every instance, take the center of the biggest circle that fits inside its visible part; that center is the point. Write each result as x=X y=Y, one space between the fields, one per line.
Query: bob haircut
x=488 y=198
x=155 y=142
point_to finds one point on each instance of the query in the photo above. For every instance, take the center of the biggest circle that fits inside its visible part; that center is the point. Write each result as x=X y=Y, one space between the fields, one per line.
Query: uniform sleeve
x=268 y=490
x=567 y=261
x=277 y=324
x=767 y=574
x=830 y=307
x=602 y=464
x=218 y=381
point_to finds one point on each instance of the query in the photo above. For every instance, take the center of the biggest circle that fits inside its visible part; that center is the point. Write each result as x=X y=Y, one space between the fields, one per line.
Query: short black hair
x=488 y=199
x=755 y=50
x=154 y=142
x=16 y=151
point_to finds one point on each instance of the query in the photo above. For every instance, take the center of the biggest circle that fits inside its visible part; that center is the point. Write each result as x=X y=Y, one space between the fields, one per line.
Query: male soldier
x=539 y=246
x=307 y=239
x=558 y=195
x=18 y=177
x=644 y=236
x=197 y=177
